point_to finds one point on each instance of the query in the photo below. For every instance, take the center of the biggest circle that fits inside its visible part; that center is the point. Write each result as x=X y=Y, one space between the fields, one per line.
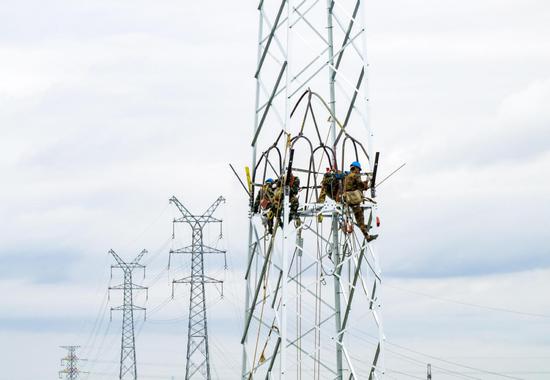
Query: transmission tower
x=198 y=360
x=70 y=362
x=313 y=284
x=128 y=368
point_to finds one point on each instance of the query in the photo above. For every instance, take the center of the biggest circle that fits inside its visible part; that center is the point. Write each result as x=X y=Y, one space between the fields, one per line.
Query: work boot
x=371 y=237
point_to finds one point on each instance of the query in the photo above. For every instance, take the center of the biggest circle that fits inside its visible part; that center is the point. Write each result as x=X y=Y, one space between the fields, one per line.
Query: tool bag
x=265 y=203
x=354 y=197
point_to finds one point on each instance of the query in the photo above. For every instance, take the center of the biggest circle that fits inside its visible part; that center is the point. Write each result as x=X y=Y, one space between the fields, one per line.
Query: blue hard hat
x=269 y=180
x=355 y=164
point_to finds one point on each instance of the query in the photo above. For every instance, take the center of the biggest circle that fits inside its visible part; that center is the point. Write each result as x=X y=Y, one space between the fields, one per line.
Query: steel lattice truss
x=198 y=359
x=128 y=367
x=311 y=287
x=70 y=361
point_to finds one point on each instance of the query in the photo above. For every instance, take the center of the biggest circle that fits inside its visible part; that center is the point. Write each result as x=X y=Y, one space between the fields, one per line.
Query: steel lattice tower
x=70 y=362
x=301 y=282
x=128 y=368
x=198 y=359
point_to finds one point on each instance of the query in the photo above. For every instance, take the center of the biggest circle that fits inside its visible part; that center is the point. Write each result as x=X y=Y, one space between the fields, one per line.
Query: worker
x=294 y=189
x=266 y=203
x=353 y=196
x=294 y=184
x=265 y=196
x=331 y=185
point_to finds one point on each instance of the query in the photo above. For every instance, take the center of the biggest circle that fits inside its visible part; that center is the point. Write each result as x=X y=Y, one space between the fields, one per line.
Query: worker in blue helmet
x=353 y=196
x=355 y=164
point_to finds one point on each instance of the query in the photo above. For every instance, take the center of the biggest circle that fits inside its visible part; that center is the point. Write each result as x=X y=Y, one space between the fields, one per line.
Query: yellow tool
x=248 y=179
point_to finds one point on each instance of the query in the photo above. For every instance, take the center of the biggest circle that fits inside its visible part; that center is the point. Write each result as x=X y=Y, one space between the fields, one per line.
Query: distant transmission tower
x=71 y=371
x=128 y=368
x=198 y=359
x=313 y=277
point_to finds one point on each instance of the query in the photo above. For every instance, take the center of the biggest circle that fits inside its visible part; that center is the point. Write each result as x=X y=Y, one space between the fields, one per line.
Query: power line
x=479 y=370
x=148 y=227
x=98 y=323
x=422 y=363
x=100 y=348
x=455 y=363
x=404 y=373
x=469 y=303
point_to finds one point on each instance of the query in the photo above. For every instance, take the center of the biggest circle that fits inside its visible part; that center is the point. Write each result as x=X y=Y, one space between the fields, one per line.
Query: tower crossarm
x=120 y=262
x=208 y=213
x=133 y=307
x=187 y=216
x=197 y=279
x=193 y=219
x=138 y=257
x=186 y=219
x=204 y=219
x=124 y=265
x=125 y=309
x=127 y=268
x=132 y=286
x=189 y=250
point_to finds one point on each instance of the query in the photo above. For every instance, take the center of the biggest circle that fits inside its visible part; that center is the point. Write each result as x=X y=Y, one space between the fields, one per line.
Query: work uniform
x=264 y=197
x=294 y=185
x=266 y=201
x=353 y=182
x=294 y=188
x=331 y=186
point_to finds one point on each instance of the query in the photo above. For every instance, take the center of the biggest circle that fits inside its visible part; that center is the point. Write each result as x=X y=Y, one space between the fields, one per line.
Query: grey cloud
x=37 y=264
x=110 y=108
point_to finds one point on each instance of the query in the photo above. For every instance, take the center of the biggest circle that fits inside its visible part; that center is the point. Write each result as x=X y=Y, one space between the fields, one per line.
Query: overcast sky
x=109 y=108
